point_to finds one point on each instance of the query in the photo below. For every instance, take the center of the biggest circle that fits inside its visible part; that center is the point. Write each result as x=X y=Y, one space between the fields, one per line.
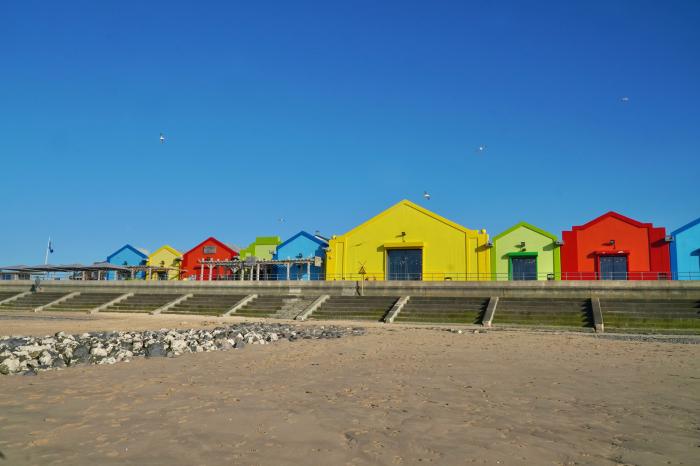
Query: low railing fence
x=448 y=276
x=303 y=275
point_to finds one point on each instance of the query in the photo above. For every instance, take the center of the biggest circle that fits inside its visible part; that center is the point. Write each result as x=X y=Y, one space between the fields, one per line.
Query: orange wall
x=627 y=238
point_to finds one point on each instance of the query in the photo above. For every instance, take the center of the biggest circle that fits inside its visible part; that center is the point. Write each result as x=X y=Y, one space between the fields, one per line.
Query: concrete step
x=418 y=308
x=346 y=316
x=142 y=303
x=32 y=301
x=441 y=320
x=662 y=315
x=444 y=299
x=208 y=312
x=355 y=308
x=84 y=302
x=655 y=307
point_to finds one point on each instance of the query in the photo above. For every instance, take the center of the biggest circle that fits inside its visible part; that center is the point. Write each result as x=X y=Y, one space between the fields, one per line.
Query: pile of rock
x=28 y=355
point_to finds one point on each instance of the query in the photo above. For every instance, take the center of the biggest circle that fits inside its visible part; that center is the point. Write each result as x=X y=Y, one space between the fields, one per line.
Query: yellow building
x=164 y=258
x=408 y=242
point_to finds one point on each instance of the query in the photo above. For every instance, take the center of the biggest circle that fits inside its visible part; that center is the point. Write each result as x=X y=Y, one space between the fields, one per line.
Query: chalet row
x=409 y=242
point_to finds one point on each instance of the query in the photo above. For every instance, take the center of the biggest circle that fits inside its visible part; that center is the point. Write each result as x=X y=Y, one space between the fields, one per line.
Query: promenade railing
x=460 y=277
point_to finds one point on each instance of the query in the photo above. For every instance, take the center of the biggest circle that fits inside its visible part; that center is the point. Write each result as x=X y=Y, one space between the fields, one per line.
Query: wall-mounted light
x=489 y=244
x=559 y=243
x=612 y=243
x=668 y=238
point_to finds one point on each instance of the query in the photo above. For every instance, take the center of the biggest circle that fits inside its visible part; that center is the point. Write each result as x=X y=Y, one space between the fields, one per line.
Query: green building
x=263 y=248
x=525 y=252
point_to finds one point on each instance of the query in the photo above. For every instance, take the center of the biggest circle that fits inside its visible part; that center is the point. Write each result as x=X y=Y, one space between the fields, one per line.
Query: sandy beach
x=397 y=395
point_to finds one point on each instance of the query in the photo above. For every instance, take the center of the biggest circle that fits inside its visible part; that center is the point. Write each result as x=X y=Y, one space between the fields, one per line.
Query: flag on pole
x=49 y=250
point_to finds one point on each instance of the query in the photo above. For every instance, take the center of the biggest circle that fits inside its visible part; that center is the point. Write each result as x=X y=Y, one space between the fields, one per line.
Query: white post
x=201 y=277
x=257 y=272
x=46 y=257
x=211 y=267
x=288 y=266
x=308 y=270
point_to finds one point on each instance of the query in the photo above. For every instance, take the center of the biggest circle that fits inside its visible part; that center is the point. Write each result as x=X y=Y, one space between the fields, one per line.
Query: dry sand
x=398 y=395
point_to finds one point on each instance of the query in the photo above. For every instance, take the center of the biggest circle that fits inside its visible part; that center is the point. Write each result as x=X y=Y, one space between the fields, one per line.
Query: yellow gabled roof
x=406 y=202
x=167 y=248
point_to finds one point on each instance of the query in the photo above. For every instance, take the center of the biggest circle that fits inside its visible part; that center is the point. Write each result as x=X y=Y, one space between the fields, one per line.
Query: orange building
x=615 y=247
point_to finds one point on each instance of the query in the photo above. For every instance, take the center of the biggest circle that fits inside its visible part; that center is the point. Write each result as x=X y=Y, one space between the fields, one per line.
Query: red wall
x=190 y=260
x=644 y=245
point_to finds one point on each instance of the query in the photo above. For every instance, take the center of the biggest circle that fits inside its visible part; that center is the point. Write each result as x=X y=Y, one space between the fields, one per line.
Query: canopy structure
x=150 y=270
x=251 y=267
x=98 y=266
x=95 y=269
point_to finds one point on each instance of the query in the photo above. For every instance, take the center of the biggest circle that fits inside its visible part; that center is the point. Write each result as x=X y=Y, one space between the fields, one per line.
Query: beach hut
x=210 y=250
x=127 y=255
x=408 y=242
x=615 y=247
x=525 y=252
x=165 y=262
x=263 y=248
x=685 y=251
x=303 y=245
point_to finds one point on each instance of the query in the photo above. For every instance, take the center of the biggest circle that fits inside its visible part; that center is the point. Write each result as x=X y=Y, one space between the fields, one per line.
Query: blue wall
x=127 y=255
x=302 y=245
x=685 y=252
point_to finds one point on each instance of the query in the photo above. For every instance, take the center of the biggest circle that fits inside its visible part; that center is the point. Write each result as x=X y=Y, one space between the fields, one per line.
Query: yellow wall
x=167 y=256
x=450 y=251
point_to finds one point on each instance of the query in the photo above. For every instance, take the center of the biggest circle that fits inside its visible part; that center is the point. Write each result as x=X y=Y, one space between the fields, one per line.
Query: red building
x=615 y=247
x=210 y=250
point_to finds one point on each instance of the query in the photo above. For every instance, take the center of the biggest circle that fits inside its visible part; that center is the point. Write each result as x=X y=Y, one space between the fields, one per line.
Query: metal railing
x=267 y=275
x=457 y=277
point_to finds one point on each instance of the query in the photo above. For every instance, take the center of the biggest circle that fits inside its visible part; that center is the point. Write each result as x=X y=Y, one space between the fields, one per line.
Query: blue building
x=685 y=252
x=303 y=245
x=127 y=255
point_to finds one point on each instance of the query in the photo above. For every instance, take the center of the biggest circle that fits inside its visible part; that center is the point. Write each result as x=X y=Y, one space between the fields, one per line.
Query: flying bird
x=624 y=99
x=281 y=220
x=162 y=138
x=426 y=196
x=481 y=149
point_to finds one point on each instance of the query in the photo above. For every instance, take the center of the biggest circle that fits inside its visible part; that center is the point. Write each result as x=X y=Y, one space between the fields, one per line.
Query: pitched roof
x=616 y=216
x=168 y=248
x=686 y=226
x=213 y=240
x=529 y=227
x=407 y=203
x=313 y=238
x=130 y=247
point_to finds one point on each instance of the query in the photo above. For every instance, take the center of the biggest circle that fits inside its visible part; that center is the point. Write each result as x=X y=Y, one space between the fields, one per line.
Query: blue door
x=523 y=268
x=405 y=264
x=613 y=267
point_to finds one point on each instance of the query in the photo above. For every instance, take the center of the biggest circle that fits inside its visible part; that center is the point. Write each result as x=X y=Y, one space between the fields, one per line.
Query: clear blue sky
x=324 y=113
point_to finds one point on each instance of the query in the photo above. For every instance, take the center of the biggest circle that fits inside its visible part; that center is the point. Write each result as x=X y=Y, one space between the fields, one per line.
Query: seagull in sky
x=162 y=138
x=624 y=99
x=481 y=149
x=426 y=196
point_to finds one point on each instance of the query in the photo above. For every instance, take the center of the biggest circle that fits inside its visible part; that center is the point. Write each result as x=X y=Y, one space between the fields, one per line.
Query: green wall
x=536 y=241
x=262 y=248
